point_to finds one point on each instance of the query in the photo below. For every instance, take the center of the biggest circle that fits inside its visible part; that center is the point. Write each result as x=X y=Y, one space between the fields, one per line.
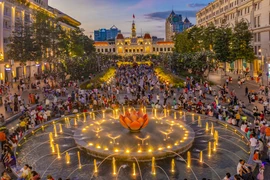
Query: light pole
x=264 y=64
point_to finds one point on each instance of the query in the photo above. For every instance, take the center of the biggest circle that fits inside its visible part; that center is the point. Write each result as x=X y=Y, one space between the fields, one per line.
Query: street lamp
x=264 y=64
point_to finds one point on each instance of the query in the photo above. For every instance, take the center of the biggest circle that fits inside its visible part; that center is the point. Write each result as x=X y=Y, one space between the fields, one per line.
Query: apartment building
x=11 y=11
x=257 y=14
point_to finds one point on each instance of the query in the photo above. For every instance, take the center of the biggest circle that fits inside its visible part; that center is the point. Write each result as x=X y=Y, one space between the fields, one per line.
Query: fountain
x=95 y=166
x=58 y=151
x=153 y=169
x=173 y=166
x=212 y=129
x=129 y=139
x=134 y=169
x=114 y=166
x=206 y=127
x=55 y=130
x=188 y=159
x=60 y=128
x=209 y=149
x=67 y=158
x=79 y=160
x=216 y=137
x=201 y=156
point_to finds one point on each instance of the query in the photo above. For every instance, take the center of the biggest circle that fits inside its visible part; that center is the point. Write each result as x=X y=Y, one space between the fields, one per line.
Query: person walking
x=246 y=91
x=3 y=139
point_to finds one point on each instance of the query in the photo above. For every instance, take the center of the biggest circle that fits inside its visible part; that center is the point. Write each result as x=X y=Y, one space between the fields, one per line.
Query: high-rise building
x=256 y=14
x=134 y=44
x=11 y=11
x=106 y=34
x=175 y=24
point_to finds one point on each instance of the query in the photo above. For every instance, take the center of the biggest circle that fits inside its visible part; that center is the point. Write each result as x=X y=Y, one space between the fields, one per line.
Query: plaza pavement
x=218 y=79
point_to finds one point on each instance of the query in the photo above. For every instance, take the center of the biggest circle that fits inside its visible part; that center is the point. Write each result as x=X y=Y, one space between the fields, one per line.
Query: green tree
x=222 y=46
x=42 y=34
x=22 y=46
x=241 y=42
x=208 y=37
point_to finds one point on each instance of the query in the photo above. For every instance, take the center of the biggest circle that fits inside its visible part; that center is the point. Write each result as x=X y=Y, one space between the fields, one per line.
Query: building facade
x=134 y=44
x=106 y=34
x=11 y=12
x=175 y=24
x=257 y=14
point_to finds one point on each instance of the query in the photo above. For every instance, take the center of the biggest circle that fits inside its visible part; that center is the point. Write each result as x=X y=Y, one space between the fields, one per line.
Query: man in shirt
x=253 y=144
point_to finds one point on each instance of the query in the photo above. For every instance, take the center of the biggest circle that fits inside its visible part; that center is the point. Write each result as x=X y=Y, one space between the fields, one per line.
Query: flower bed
x=168 y=77
x=99 y=79
x=127 y=63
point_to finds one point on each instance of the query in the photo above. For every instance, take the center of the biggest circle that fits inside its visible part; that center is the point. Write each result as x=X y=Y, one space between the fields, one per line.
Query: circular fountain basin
x=161 y=138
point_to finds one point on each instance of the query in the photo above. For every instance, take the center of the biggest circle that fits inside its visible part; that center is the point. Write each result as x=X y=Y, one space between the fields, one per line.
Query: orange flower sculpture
x=134 y=121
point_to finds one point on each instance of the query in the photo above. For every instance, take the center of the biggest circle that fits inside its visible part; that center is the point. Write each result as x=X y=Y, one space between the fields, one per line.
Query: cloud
x=160 y=16
x=160 y=26
x=196 y=5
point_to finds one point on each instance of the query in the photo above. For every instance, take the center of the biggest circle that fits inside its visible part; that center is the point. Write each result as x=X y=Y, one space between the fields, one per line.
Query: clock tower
x=133 y=30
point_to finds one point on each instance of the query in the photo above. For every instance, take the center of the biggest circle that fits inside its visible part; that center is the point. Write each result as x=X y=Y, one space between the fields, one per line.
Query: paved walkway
x=240 y=92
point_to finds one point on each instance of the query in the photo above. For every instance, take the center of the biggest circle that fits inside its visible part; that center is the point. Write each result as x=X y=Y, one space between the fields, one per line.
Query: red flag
x=133 y=16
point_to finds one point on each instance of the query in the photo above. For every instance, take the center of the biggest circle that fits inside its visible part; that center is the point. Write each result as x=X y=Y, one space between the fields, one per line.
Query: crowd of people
x=134 y=86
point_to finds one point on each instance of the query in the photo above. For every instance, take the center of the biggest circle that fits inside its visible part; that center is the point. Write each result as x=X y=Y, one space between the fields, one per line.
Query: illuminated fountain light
x=216 y=137
x=165 y=112
x=134 y=169
x=103 y=114
x=212 y=128
x=155 y=113
x=58 y=151
x=60 y=128
x=166 y=134
x=201 y=156
x=113 y=138
x=84 y=117
x=206 y=127
x=209 y=149
x=55 y=130
x=79 y=160
x=95 y=166
x=94 y=116
x=124 y=110
x=175 y=116
x=153 y=169
x=173 y=166
x=75 y=122
x=67 y=157
x=114 y=166
x=67 y=121
x=188 y=159
x=142 y=139
x=199 y=121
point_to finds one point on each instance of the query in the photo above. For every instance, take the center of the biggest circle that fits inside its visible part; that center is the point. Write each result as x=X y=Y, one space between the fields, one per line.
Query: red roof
x=119 y=36
x=147 y=36
x=101 y=43
x=165 y=42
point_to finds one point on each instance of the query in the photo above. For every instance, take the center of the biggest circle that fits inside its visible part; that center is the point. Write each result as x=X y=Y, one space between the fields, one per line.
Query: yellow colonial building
x=134 y=44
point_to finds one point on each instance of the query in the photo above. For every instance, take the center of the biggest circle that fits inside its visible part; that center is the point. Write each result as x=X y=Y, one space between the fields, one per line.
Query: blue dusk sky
x=150 y=15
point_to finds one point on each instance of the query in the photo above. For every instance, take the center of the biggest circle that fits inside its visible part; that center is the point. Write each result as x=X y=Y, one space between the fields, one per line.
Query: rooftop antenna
x=141 y=31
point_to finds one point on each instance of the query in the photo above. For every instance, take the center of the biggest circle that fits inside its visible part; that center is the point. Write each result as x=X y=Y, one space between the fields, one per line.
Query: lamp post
x=264 y=65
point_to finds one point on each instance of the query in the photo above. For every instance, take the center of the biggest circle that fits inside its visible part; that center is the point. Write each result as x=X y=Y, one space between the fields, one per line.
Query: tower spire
x=133 y=29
